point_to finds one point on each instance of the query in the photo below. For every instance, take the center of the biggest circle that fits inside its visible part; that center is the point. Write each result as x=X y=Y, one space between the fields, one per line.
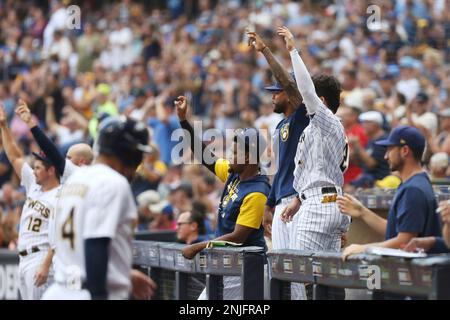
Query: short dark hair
x=417 y=154
x=47 y=166
x=329 y=88
x=199 y=219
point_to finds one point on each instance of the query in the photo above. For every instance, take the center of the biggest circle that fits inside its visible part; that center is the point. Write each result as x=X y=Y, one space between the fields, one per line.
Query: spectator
x=438 y=166
x=105 y=107
x=191 y=228
x=149 y=173
x=181 y=198
x=354 y=131
x=163 y=124
x=372 y=159
x=413 y=212
x=419 y=114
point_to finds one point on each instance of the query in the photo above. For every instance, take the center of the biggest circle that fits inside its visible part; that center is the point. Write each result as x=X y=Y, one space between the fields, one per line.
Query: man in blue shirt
x=163 y=127
x=287 y=101
x=413 y=210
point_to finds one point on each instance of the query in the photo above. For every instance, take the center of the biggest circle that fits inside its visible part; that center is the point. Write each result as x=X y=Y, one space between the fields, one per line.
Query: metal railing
x=246 y=262
x=382 y=199
x=181 y=279
x=427 y=278
x=9 y=275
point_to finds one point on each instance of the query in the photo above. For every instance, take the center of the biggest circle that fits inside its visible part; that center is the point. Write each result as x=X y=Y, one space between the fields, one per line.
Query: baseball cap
x=422 y=97
x=405 y=135
x=152 y=200
x=407 y=62
x=277 y=87
x=42 y=156
x=371 y=116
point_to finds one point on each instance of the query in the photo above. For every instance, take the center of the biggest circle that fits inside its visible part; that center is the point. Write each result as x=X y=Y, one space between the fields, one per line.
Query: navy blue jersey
x=242 y=203
x=287 y=134
x=413 y=209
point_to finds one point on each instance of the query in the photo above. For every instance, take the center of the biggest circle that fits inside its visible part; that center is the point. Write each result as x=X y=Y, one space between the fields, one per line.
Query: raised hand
x=181 y=107
x=288 y=37
x=255 y=40
x=24 y=112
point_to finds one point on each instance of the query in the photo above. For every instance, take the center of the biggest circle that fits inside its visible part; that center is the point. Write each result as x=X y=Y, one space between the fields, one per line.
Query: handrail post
x=252 y=278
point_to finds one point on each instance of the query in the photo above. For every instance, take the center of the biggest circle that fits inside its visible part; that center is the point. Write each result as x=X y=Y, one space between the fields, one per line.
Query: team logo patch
x=284 y=132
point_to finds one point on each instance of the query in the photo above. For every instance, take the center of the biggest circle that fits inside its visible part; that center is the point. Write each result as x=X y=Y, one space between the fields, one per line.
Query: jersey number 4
x=346 y=159
x=68 y=231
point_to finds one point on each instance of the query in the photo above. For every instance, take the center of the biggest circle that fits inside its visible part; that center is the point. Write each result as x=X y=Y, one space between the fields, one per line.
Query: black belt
x=24 y=253
x=325 y=190
x=328 y=190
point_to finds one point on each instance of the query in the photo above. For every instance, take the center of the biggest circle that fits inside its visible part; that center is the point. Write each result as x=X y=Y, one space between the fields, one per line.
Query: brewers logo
x=284 y=132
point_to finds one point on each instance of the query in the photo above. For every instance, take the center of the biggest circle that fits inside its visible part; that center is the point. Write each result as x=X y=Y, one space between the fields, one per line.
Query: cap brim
x=39 y=157
x=145 y=148
x=273 y=89
x=158 y=208
x=385 y=143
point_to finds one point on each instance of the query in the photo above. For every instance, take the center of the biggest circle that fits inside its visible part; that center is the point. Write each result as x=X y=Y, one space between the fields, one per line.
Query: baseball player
x=41 y=185
x=77 y=156
x=242 y=203
x=96 y=217
x=321 y=160
x=288 y=101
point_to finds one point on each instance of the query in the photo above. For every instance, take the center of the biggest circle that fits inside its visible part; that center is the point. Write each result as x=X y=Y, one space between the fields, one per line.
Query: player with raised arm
x=41 y=186
x=321 y=160
x=243 y=199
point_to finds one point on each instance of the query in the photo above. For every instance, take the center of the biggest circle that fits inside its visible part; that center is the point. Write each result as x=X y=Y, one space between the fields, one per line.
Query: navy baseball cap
x=405 y=135
x=422 y=97
x=277 y=87
x=41 y=156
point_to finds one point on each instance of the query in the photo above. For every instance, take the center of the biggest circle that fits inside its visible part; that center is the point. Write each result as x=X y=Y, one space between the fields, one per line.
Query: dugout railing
x=182 y=279
x=424 y=278
x=419 y=278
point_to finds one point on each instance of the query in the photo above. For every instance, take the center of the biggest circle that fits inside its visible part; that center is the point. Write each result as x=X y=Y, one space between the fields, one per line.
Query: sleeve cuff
x=439 y=246
x=270 y=202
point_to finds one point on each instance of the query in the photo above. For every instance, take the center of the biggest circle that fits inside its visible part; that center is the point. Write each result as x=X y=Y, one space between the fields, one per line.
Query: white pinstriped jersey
x=95 y=202
x=39 y=207
x=322 y=152
x=69 y=169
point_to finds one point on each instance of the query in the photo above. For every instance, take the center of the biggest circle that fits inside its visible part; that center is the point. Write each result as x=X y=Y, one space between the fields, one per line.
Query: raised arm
x=181 y=107
x=304 y=82
x=50 y=115
x=13 y=152
x=278 y=70
x=49 y=148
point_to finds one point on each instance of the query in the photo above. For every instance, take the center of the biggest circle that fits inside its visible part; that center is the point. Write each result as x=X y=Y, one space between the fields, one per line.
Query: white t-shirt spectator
x=270 y=121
